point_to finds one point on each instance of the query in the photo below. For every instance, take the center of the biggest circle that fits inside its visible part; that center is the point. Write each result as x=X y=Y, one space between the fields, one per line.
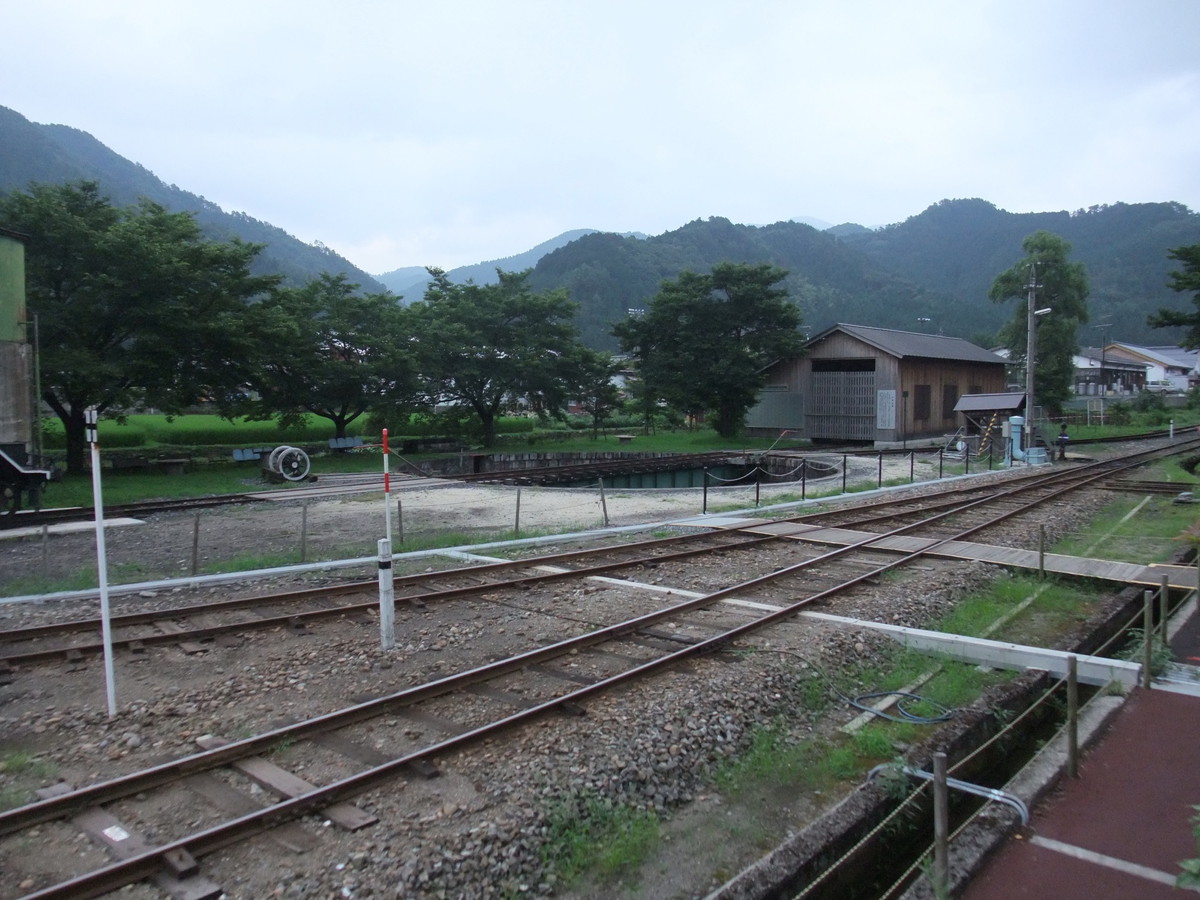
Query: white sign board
x=885 y=410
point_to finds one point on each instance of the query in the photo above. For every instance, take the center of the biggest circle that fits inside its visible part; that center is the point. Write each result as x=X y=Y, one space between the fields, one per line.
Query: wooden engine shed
x=859 y=384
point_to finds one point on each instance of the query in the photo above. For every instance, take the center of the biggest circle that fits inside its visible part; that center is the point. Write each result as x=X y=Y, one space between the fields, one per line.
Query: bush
x=197 y=431
x=1119 y=414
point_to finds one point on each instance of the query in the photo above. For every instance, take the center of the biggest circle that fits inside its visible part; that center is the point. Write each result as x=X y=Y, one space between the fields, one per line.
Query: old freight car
x=20 y=480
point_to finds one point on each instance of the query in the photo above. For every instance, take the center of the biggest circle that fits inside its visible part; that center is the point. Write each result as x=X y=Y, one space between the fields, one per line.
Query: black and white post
x=387 y=597
x=90 y=416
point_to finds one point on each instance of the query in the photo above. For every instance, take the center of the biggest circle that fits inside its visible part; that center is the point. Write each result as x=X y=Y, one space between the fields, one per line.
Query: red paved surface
x=1133 y=801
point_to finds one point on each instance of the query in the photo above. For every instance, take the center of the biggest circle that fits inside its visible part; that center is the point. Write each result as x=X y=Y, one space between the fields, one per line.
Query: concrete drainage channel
x=861 y=849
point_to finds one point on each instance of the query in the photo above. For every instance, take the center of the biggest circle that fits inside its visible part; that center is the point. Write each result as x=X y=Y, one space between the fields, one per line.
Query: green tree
x=1183 y=281
x=703 y=341
x=598 y=394
x=134 y=306
x=331 y=352
x=496 y=348
x=1062 y=286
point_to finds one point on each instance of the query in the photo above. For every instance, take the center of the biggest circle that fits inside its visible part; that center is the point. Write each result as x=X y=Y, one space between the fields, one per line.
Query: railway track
x=194 y=624
x=494 y=696
x=358 y=482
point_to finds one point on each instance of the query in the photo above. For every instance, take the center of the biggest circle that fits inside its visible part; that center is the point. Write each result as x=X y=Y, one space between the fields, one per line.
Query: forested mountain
x=931 y=272
x=958 y=247
x=57 y=154
x=411 y=281
x=608 y=275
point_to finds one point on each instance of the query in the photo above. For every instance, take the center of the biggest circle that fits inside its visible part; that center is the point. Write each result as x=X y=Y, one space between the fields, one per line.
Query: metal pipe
x=995 y=794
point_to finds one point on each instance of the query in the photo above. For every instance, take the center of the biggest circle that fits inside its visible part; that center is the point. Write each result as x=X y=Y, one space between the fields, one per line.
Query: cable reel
x=291 y=463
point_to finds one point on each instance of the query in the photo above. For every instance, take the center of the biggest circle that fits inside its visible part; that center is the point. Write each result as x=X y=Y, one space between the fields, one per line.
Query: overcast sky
x=448 y=132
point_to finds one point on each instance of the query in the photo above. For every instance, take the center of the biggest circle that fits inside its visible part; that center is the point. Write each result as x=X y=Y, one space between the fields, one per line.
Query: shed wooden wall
x=843 y=405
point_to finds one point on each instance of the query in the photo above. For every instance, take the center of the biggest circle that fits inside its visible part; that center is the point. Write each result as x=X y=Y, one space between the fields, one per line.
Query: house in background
x=1095 y=366
x=1173 y=364
x=860 y=384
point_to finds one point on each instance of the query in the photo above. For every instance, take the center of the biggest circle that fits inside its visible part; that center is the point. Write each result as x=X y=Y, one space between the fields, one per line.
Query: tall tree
x=1062 y=286
x=494 y=348
x=703 y=340
x=598 y=394
x=331 y=352
x=1183 y=281
x=134 y=305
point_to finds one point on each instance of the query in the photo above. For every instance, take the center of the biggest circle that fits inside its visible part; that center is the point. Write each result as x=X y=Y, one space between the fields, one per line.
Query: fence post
x=912 y=466
x=304 y=532
x=399 y=522
x=846 y=459
x=517 y=526
x=941 y=461
x=1147 y=635
x=804 y=479
x=1072 y=716
x=879 y=479
x=941 y=826
x=704 y=506
x=1164 y=607
x=196 y=545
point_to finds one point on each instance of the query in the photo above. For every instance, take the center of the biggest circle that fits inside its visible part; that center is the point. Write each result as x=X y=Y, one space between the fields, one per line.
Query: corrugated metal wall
x=842 y=406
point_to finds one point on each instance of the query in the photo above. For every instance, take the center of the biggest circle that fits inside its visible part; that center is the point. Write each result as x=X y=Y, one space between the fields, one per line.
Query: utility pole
x=1030 y=344
x=1103 y=350
x=1031 y=350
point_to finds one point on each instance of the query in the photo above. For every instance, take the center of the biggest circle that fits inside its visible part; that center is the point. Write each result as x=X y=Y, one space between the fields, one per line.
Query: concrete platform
x=8 y=534
x=1149 y=576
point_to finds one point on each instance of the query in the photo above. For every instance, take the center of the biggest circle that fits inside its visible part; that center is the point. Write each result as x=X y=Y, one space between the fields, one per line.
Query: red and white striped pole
x=387 y=490
x=90 y=417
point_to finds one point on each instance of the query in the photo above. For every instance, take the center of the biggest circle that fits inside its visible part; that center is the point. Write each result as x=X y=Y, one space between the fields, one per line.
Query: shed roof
x=912 y=343
x=988 y=402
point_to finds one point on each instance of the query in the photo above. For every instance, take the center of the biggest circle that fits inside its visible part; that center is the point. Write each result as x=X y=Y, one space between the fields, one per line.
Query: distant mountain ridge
x=58 y=154
x=931 y=272
x=411 y=281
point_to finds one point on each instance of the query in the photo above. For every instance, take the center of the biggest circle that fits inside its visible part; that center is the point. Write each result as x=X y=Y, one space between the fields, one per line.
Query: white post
x=387 y=490
x=387 y=597
x=90 y=415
